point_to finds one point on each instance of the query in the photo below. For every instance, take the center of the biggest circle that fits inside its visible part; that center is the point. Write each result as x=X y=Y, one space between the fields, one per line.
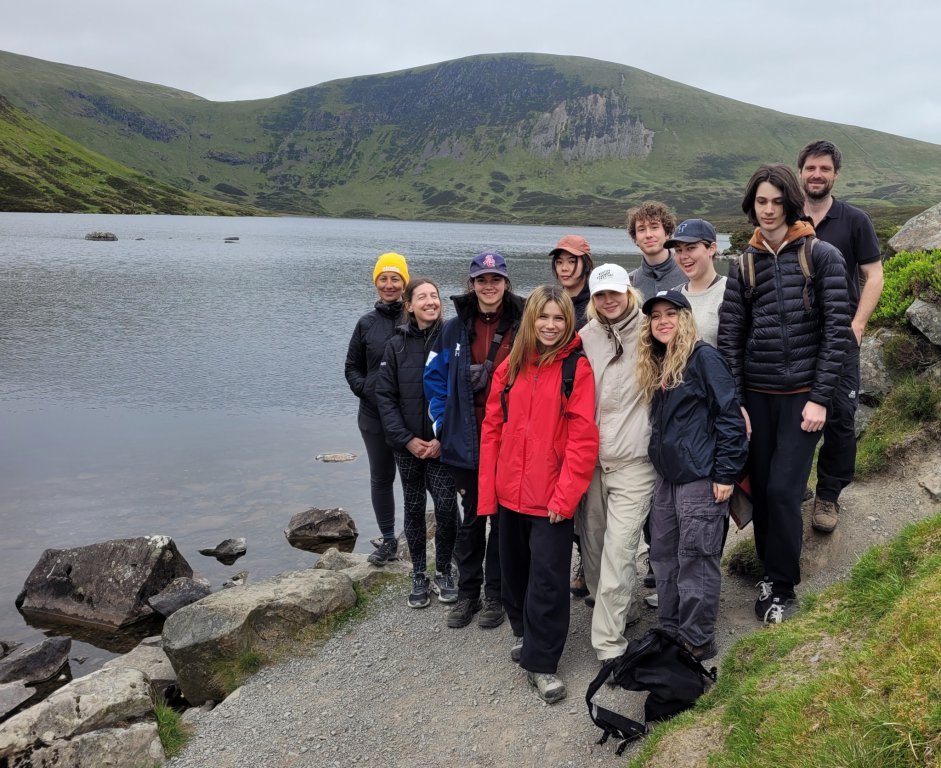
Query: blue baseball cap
x=488 y=263
x=692 y=231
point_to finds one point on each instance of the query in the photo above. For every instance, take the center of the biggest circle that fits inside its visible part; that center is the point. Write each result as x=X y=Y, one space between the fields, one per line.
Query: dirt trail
x=401 y=689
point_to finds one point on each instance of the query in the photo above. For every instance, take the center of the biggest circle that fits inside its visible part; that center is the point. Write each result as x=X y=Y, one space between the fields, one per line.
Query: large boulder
x=136 y=746
x=875 y=381
x=219 y=628
x=36 y=663
x=104 y=584
x=12 y=695
x=926 y=317
x=920 y=233
x=149 y=658
x=315 y=530
x=357 y=567
x=103 y=699
x=179 y=592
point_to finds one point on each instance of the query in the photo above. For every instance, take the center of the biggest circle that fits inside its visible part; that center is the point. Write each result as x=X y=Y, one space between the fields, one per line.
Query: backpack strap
x=805 y=258
x=504 y=326
x=746 y=273
x=610 y=722
x=569 y=364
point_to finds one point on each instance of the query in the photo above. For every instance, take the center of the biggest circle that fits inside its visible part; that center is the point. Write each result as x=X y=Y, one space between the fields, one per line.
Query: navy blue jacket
x=447 y=381
x=697 y=430
x=400 y=393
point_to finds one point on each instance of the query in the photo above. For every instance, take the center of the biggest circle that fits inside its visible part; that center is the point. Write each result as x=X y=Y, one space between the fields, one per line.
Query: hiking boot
x=443 y=585
x=590 y=601
x=703 y=652
x=419 y=597
x=516 y=650
x=577 y=587
x=463 y=611
x=763 y=603
x=825 y=516
x=549 y=687
x=780 y=609
x=808 y=494
x=650 y=581
x=492 y=615
x=384 y=552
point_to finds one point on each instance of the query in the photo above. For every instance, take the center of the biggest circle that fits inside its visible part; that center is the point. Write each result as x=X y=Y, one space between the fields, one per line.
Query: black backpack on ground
x=660 y=664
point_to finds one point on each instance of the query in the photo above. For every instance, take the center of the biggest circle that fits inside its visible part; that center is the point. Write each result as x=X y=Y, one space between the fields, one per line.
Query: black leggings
x=381 y=481
x=419 y=477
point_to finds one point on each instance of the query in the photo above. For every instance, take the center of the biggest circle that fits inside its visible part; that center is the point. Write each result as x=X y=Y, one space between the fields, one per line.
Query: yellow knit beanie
x=390 y=262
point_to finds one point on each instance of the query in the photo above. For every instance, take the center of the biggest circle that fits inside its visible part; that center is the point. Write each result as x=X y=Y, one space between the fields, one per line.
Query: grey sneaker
x=516 y=650
x=418 y=597
x=781 y=609
x=825 y=516
x=384 y=552
x=462 y=612
x=492 y=615
x=549 y=687
x=443 y=585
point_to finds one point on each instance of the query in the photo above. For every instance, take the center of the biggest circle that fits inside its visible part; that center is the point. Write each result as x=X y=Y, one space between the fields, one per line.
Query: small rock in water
x=335 y=457
x=236 y=581
x=226 y=552
x=107 y=236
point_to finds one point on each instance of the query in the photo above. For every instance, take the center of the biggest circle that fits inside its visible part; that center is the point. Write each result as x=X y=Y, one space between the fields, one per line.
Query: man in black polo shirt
x=850 y=230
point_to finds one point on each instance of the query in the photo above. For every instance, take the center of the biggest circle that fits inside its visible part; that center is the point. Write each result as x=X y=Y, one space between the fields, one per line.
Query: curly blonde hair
x=661 y=365
x=526 y=343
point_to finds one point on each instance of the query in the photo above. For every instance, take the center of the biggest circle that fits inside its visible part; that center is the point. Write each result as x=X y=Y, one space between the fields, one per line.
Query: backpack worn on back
x=660 y=664
x=568 y=383
x=805 y=258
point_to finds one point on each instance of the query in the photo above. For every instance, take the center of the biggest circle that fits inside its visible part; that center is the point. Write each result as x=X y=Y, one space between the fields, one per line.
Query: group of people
x=609 y=407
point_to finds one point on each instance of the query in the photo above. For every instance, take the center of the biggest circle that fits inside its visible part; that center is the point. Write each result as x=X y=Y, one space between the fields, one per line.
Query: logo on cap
x=489 y=262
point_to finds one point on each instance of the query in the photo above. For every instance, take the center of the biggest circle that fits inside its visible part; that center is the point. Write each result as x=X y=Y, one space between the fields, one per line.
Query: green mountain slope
x=43 y=171
x=509 y=137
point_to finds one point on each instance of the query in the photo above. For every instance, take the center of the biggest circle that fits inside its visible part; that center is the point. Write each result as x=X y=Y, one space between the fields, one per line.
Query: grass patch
x=742 y=560
x=170 y=728
x=231 y=674
x=853 y=680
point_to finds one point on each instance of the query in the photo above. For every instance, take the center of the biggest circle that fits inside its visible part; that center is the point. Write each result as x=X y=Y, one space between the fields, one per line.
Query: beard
x=821 y=193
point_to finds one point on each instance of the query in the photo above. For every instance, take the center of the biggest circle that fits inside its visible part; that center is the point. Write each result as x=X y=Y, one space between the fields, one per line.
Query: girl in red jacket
x=537 y=453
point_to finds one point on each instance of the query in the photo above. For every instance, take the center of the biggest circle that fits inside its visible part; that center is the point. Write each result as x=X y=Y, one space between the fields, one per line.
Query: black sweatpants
x=779 y=457
x=836 y=461
x=477 y=550
x=381 y=480
x=536 y=557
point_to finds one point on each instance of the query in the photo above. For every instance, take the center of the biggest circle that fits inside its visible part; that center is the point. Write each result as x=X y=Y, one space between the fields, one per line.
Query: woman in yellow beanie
x=362 y=364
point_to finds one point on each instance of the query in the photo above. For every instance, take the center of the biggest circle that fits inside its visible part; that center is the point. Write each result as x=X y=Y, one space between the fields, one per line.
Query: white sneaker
x=549 y=687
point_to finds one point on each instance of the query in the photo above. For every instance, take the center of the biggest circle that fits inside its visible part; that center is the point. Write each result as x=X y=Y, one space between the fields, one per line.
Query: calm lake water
x=172 y=383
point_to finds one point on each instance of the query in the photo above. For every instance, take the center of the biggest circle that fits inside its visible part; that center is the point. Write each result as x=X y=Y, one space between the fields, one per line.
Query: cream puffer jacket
x=620 y=411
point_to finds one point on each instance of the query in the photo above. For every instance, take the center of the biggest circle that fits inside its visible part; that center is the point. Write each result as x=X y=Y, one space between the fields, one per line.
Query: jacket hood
x=411 y=329
x=796 y=231
x=465 y=304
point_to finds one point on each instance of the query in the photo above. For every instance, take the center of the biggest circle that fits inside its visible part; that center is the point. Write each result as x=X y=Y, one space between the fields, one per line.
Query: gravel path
x=402 y=689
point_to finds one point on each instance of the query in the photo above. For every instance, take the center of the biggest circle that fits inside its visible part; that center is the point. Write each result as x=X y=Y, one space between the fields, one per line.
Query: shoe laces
x=775 y=614
x=764 y=590
x=386 y=548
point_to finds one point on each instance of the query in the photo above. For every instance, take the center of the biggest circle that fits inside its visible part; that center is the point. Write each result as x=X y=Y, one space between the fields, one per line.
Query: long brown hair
x=414 y=284
x=660 y=365
x=526 y=343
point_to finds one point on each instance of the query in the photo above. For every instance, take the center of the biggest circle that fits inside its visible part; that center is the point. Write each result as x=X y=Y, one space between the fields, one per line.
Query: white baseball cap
x=608 y=277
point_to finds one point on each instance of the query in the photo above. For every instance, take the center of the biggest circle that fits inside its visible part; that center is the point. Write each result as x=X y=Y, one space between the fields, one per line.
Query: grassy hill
x=43 y=171
x=508 y=137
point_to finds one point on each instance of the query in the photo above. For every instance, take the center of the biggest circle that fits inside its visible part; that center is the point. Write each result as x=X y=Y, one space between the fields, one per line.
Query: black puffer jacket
x=367 y=346
x=772 y=342
x=400 y=394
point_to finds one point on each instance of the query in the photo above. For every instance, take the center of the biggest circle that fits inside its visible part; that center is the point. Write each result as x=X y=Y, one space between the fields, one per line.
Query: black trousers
x=779 y=456
x=836 y=461
x=536 y=557
x=477 y=550
x=381 y=480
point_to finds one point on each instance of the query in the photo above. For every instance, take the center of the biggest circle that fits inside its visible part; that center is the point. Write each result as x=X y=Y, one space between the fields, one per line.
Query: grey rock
x=137 y=746
x=330 y=458
x=926 y=317
x=106 y=236
x=106 y=584
x=227 y=551
x=236 y=581
x=875 y=382
x=99 y=700
x=12 y=695
x=36 y=663
x=218 y=628
x=919 y=233
x=315 y=529
x=7 y=647
x=931 y=480
x=864 y=414
x=152 y=661
x=177 y=593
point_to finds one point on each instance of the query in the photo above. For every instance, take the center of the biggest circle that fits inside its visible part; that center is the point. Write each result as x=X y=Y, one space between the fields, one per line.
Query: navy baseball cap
x=675 y=298
x=692 y=231
x=488 y=263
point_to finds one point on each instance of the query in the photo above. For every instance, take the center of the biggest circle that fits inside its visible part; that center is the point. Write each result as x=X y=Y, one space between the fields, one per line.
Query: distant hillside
x=509 y=137
x=43 y=171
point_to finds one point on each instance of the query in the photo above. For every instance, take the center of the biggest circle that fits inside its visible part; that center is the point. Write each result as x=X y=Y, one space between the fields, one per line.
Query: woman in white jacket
x=623 y=481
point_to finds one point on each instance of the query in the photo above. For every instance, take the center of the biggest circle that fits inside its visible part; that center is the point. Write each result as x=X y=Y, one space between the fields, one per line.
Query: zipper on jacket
x=782 y=314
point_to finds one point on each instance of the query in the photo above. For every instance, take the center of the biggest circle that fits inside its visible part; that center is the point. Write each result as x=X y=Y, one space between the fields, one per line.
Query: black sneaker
x=384 y=552
x=516 y=650
x=781 y=609
x=763 y=603
x=463 y=611
x=443 y=585
x=492 y=615
x=419 y=597
x=650 y=581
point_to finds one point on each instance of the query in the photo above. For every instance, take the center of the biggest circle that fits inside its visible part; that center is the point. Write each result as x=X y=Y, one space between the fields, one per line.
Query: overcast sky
x=864 y=63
